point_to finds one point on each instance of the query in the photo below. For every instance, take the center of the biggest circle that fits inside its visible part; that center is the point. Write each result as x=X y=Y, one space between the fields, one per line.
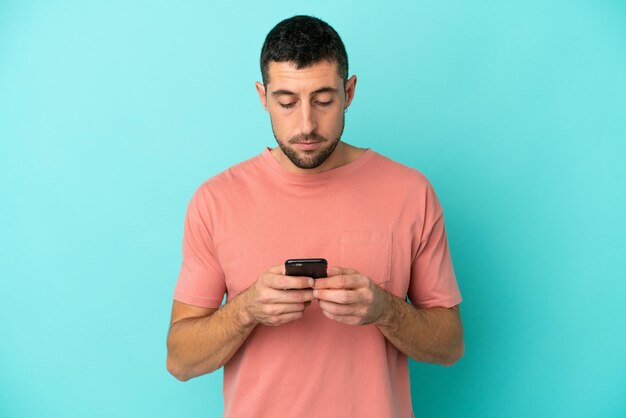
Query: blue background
x=113 y=112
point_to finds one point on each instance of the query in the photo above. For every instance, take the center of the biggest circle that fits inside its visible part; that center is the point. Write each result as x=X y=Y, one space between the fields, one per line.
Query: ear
x=350 y=88
x=260 y=88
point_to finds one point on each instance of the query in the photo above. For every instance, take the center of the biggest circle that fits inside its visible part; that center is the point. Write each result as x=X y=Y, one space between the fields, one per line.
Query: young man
x=295 y=346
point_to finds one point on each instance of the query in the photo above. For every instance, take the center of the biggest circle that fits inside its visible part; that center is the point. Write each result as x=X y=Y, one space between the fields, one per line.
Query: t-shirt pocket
x=368 y=252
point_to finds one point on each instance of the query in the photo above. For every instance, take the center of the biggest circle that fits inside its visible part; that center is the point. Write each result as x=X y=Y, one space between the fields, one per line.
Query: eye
x=324 y=103
x=287 y=105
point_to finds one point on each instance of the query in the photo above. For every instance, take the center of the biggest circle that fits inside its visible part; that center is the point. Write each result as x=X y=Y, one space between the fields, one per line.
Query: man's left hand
x=351 y=298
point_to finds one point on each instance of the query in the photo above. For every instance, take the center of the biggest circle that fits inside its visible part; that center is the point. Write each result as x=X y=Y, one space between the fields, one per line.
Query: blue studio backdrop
x=113 y=112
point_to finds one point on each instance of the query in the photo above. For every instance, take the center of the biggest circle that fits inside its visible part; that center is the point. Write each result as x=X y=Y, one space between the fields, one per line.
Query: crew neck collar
x=306 y=178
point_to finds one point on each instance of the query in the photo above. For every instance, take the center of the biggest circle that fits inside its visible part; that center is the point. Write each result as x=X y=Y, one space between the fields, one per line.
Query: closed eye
x=319 y=103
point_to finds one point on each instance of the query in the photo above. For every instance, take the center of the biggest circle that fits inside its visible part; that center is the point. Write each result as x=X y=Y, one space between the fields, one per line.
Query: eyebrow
x=291 y=93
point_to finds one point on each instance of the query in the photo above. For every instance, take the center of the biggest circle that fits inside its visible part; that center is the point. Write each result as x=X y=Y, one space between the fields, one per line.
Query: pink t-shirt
x=374 y=215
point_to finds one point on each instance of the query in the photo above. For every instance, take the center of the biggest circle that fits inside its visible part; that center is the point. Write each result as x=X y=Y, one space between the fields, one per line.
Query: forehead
x=285 y=76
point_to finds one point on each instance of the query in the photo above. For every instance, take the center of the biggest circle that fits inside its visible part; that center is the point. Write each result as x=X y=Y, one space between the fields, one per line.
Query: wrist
x=387 y=318
x=245 y=319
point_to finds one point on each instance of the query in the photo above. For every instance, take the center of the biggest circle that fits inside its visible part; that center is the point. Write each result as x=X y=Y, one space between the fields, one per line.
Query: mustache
x=312 y=137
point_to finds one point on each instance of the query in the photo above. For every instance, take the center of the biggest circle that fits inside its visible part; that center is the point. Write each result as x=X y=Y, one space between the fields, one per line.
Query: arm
x=432 y=335
x=202 y=340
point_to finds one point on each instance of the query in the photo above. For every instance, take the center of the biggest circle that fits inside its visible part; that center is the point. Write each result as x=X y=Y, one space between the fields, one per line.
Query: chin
x=310 y=159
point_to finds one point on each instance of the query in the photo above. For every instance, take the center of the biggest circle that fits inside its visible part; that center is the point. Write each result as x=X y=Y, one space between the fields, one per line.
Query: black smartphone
x=307 y=267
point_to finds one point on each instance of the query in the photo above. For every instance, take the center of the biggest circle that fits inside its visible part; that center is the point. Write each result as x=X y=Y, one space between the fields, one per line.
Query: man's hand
x=350 y=297
x=275 y=299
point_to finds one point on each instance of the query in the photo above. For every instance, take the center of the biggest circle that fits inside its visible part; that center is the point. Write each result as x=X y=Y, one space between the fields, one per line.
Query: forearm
x=197 y=346
x=432 y=335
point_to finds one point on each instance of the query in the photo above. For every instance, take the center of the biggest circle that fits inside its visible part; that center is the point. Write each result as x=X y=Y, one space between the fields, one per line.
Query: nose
x=308 y=123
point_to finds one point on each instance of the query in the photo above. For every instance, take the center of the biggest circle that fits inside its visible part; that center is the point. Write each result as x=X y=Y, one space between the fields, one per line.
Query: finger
x=341 y=296
x=277 y=309
x=336 y=270
x=341 y=281
x=278 y=269
x=343 y=310
x=279 y=281
x=270 y=296
x=281 y=319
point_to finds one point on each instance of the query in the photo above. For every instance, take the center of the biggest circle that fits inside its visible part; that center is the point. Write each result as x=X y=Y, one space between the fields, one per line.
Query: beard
x=309 y=159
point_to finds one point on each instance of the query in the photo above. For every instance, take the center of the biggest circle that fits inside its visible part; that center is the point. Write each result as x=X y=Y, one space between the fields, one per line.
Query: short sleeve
x=433 y=282
x=201 y=280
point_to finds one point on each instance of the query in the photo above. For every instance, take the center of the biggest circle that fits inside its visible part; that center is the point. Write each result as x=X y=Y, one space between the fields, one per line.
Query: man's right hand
x=275 y=299
x=202 y=340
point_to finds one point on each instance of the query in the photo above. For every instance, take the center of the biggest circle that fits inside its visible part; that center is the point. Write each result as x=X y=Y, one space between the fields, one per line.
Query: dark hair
x=303 y=40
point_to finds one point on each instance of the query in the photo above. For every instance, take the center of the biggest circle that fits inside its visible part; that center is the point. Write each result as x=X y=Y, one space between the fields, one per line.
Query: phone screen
x=306 y=267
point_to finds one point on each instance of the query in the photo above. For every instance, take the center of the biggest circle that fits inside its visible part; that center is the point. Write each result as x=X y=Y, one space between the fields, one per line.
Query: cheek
x=332 y=123
x=281 y=124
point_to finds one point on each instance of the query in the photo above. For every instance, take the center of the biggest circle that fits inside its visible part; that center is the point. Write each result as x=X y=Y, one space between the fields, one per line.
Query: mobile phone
x=307 y=267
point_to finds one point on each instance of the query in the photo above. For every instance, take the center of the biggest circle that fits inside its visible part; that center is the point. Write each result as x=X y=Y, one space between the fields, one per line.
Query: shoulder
x=405 y=185
x=399 y=173
x=233 y=178
x=226 y=186
x=408 y=188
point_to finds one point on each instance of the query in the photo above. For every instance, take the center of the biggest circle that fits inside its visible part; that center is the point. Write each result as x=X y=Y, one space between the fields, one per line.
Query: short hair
x=303 y=40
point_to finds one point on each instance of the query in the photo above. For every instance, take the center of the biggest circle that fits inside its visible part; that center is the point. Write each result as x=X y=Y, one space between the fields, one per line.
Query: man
x=294 y=346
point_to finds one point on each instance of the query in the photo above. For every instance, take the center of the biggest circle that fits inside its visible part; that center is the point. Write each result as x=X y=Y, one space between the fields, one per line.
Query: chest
x=257 y=231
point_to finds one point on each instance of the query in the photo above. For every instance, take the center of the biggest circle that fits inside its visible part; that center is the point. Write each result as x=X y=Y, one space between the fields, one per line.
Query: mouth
x=308 y=146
